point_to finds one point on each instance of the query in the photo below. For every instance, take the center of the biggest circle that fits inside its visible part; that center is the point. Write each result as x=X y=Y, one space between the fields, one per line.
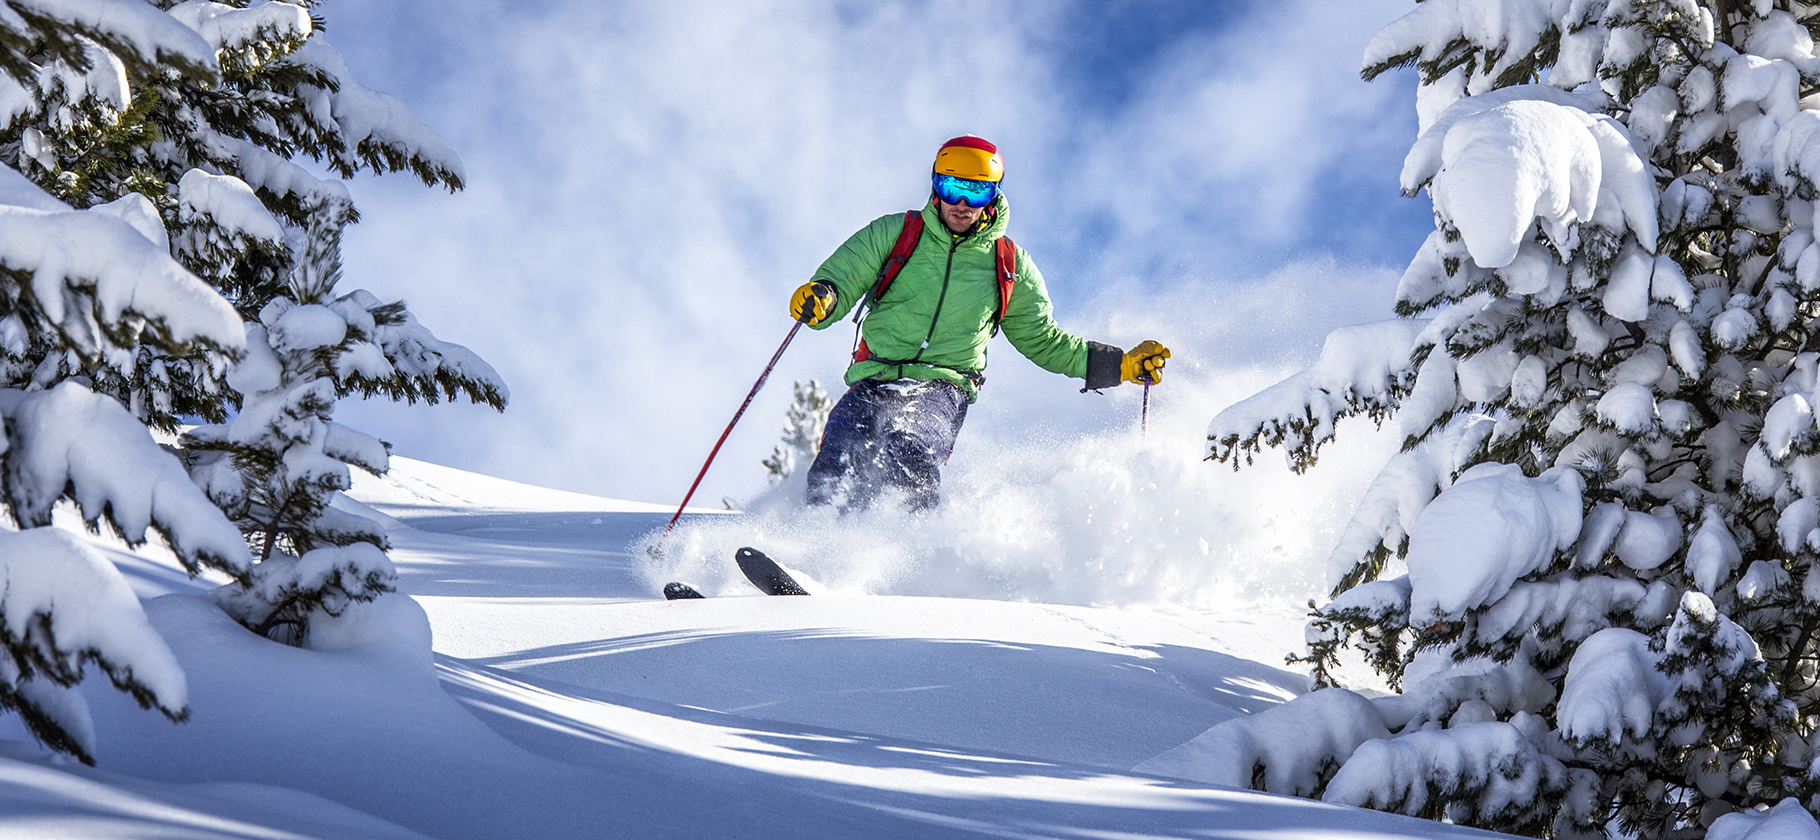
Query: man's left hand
x=1144 y=363
x=812 y=303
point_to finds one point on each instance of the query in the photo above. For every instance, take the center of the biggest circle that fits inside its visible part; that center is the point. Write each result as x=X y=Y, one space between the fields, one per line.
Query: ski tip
x=766 y=574
x=676 y=590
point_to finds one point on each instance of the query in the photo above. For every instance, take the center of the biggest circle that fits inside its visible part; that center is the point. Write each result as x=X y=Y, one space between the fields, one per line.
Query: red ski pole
x=820 y=287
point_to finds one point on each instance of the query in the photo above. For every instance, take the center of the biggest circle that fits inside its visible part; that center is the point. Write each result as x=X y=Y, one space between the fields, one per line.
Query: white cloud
x=649 y=181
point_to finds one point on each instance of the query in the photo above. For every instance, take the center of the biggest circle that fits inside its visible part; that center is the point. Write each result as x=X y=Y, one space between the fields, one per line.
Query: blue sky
x=649 y=181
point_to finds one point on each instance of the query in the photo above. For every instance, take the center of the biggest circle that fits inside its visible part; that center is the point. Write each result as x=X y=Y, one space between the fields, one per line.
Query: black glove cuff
x=1103 y=362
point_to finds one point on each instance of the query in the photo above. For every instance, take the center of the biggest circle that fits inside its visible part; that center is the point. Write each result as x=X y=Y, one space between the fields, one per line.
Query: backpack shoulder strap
x=894 y=264
x=1007 y=278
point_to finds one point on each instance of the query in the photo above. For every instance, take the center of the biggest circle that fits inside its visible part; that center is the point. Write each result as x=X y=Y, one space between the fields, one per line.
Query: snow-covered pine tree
x=277 y=465
x=1592 y=570
x=803 y=424
x=92 y=289
x=210 y=145
x=206 y=145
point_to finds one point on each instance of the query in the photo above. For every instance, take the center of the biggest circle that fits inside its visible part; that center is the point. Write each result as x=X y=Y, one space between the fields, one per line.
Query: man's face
x=959 y=218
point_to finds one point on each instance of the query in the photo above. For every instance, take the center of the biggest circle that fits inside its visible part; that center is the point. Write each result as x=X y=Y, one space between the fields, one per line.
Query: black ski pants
x=887 y=434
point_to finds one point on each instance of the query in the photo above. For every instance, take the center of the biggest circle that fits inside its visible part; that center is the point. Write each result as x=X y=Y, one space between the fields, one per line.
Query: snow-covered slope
x=565 y=699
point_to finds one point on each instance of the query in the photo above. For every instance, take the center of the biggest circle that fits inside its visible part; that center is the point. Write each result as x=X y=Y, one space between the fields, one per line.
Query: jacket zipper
x=947 y=273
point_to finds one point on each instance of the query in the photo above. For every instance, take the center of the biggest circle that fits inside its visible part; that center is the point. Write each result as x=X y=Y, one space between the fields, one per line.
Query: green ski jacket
x=934 y=321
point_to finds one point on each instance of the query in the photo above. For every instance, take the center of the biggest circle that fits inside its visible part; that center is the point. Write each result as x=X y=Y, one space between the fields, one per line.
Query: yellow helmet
x=970 y=157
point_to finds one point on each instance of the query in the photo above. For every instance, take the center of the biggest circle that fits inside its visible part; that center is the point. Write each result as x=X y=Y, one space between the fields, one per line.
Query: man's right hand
x=1144 y=363
x=812 y=303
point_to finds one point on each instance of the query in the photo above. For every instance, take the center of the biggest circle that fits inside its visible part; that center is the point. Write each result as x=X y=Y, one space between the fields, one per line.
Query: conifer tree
x=803 y=424
x=94 y=291
x=143 y=132
x=277 y=465
x=1592 y=571
x=211 y=146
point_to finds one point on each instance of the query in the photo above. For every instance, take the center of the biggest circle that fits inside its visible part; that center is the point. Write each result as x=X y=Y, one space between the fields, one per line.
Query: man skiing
x=931 y=288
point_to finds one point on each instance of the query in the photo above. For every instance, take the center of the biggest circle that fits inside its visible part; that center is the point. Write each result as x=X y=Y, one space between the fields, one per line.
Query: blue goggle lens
x=958 y=190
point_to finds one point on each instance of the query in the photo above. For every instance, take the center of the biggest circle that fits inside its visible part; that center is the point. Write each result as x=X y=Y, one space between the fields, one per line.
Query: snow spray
x=1065 y=518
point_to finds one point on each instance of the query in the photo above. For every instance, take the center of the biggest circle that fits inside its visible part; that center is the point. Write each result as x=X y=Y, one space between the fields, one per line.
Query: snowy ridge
x=414 y=483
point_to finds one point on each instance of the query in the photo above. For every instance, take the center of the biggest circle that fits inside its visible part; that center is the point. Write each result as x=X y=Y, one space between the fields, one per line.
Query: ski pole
x=820 y=288
x=1144 y=416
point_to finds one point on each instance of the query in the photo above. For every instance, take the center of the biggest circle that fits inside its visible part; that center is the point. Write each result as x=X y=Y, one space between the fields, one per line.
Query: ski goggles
x=964 y=190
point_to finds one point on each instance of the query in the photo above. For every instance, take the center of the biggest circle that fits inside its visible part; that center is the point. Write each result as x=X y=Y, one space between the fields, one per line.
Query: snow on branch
x=327 y=580
x=231 y=29
x=1786 y=821
x=286 y=181
x=1492 y=768
x=1579 y=606
x=1362 y=370
x=1501 y=162
x=16 y=190
x=413 y=363
x=221 y=220
x=71 y=442
x=1289 y=749
x=1396 y=497
x=1470 y=691
x=1612 y=689
x=1438 y=33
x=377 y=130
x=99 y=281
x=63 y=605
x=228 y=203
x=1491 y=528
x=1505 y=42
x=137 y=31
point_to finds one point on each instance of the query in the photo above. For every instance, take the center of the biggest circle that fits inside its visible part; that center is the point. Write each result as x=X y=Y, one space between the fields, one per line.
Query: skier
x=930 y=289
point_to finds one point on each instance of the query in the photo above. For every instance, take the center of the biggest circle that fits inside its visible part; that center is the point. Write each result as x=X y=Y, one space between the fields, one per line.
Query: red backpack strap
x=894 y=265
x=1007 y=278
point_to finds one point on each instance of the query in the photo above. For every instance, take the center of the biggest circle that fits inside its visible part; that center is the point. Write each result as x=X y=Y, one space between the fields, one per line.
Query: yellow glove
x=812 y=303
x=1144 y=361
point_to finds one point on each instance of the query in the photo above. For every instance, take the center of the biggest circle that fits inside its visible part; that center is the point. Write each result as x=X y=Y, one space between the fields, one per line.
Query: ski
x=676 y=590
x=766 y=574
